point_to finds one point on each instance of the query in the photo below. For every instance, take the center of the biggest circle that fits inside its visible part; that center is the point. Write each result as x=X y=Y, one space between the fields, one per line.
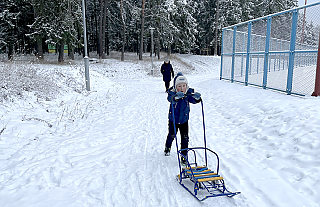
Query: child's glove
x=178 y=96
x=197 y=96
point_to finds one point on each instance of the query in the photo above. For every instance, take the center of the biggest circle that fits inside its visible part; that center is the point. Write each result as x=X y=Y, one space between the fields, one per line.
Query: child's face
x=182 y=87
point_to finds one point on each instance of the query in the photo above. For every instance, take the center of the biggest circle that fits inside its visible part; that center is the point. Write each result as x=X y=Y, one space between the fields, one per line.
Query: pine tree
x=8 y=17
x=182 y=25
x=56 y=22
x=14 y=18
x=185 y=34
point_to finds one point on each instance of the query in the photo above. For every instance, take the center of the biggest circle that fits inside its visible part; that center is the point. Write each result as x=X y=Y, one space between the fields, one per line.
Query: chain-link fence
x=278 y=51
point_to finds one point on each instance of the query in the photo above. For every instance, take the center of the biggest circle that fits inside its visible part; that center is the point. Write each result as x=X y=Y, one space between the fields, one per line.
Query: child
x=181 y=106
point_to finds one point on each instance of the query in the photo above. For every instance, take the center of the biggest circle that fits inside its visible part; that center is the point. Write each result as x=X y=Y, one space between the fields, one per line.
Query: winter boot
x=184 y=161
x=167 y=151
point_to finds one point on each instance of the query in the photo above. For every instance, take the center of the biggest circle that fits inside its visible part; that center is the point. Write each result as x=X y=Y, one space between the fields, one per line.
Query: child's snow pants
x=183 y=128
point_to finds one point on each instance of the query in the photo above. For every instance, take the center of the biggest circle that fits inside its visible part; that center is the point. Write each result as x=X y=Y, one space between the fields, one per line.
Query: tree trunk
x=61 y=50
x=10 y=52
x=123 y=32
x=107 y=30
x=137 y=39
x=158 y=44
x=100 y=28
x=169 y=46
x=70 y=52
x=96 y=38
x=142 y=30
x=216 y=31
x=79 y=46
x=103 y=43
x=39 y=53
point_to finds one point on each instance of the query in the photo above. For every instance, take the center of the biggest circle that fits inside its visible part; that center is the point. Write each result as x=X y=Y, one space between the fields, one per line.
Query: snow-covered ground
x=74 y=148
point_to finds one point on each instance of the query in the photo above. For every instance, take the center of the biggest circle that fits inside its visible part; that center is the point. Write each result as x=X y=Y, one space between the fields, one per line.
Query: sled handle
x=175 y=135
x=204 y=134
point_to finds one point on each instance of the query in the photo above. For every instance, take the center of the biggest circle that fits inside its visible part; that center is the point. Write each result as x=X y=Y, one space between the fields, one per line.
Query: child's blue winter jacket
x=181 y=107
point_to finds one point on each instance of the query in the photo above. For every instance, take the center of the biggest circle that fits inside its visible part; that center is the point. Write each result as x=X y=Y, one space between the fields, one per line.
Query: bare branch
x=37 y=119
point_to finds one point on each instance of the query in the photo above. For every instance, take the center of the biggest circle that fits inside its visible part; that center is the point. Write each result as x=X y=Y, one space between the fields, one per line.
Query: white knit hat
x=180 y=78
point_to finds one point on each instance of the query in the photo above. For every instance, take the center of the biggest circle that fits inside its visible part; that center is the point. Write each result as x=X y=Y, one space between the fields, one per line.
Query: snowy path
x=106 y=148
x=115 y=159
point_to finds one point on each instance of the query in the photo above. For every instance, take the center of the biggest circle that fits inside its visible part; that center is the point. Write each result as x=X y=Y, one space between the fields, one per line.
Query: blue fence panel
x=278 y=51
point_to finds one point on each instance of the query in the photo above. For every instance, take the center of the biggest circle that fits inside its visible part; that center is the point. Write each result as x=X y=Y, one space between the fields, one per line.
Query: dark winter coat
x=181 y=107
x=167 y=70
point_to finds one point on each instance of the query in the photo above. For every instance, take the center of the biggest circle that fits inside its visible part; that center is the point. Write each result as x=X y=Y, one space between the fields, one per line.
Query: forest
x=178 y=26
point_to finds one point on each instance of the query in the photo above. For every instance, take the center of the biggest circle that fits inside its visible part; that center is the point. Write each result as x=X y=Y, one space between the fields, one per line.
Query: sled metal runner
x=199 y=180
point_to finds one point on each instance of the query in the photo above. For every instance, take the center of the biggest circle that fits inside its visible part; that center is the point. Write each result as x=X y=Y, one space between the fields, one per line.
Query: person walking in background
x=167 y=72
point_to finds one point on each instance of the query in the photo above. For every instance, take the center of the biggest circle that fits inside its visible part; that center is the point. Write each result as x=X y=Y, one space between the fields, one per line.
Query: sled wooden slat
x=208 y=174
x=210 y=179
x=198 y=167
x=200 y=172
